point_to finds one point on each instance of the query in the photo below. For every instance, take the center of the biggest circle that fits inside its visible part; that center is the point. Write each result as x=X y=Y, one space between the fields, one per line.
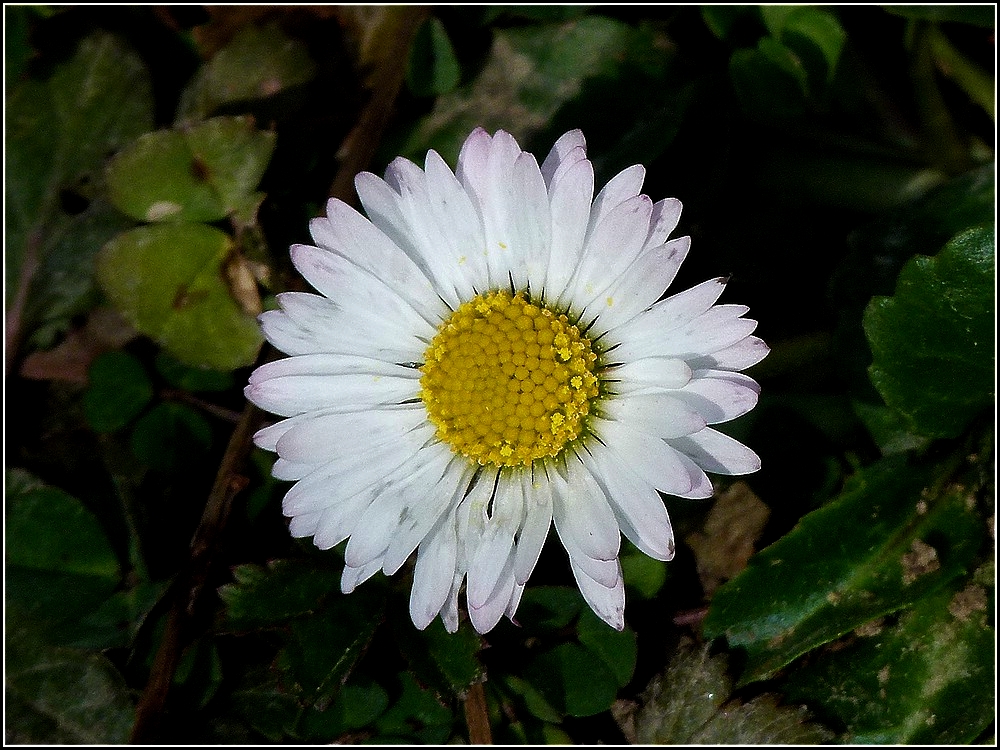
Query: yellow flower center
x=506 y=381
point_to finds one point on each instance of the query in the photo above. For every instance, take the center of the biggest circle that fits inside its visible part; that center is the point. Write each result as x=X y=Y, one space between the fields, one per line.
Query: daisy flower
x=487 y=358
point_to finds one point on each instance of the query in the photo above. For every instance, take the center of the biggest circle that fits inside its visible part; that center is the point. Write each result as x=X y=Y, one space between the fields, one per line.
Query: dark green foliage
x=835 y=162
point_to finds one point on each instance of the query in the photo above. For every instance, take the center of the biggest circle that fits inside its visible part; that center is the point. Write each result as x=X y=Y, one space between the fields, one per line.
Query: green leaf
x=64 y=288
x=893 y=544
x=722 y=19
x=60 y=565
x=324 y=648
x=433 y=68
x=814 y=34
x=116 y=622
x=616 y=649
x=118 y=391
x=769 y=81
x=59 y=132
x=258 y=63
x=445 y=661
x=355 y=707
x=416 y=714
x=889 y=429
x=573 y=679
x=267 y=597
x=168 y=282
x=201 y=172
x=63 y=696
x=927 y=679
x=644 y=576
x=170 y=436
x=49 y=531
x=534 y=73
x=933 y=340
x=978 y=15
x=193 y=379
x=690 y=704
x=549 y=607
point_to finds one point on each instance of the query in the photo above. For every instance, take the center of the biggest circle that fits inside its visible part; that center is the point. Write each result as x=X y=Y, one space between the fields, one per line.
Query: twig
x=228 y=483
x=358 y=148
x=476 y=716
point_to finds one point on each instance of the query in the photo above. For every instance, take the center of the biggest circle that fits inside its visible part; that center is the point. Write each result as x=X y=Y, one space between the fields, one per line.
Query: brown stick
x=476 y=716
x=228 y=483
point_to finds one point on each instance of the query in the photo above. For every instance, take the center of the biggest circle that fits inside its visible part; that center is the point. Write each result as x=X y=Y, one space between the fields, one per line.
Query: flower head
x=487 y=358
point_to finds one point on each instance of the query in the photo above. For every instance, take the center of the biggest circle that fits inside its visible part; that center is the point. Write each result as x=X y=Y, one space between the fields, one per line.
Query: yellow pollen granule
x=506 y=381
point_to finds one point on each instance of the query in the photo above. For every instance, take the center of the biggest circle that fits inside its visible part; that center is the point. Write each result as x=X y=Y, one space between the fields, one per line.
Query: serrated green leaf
x=118 y=391
x=927 y=679
x=433 y=68
x=574 y=680
x=690 y=704
x=616 y=649
x=116 y=622
x=448 y=662
x=932 y=341
x=258 y=63
x=893 y=545
x=167 y=282
x=355 y=707
x=200 y=172
x=324 y=648
x=265 y=597
x=169 y=436
x=59 y=132
x=416 y=714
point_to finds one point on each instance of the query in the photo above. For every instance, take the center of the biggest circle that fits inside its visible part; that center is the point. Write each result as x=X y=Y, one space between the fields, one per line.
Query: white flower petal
x=638 y=508
x=642 y=283
x=354 y=577
x=720 y=396
x=420 y=513
x=612 y=247
x=305 y=525
x=330 y=435
x=581 y=512
x=650 y=372
x=624 y=185
x=673 y=312
x=648 y=456
x=433 y=572
x=534 y=531
x=666 y=214
x=382 y=520
x=485 y=617
x=393 y=214
x=565 y=145
x=739 y=356
x=348 y=233
x=608 y=602
x=659 y=413
x=497 y=542
x=718 y=453
x=290 y=471
x=570 y=199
